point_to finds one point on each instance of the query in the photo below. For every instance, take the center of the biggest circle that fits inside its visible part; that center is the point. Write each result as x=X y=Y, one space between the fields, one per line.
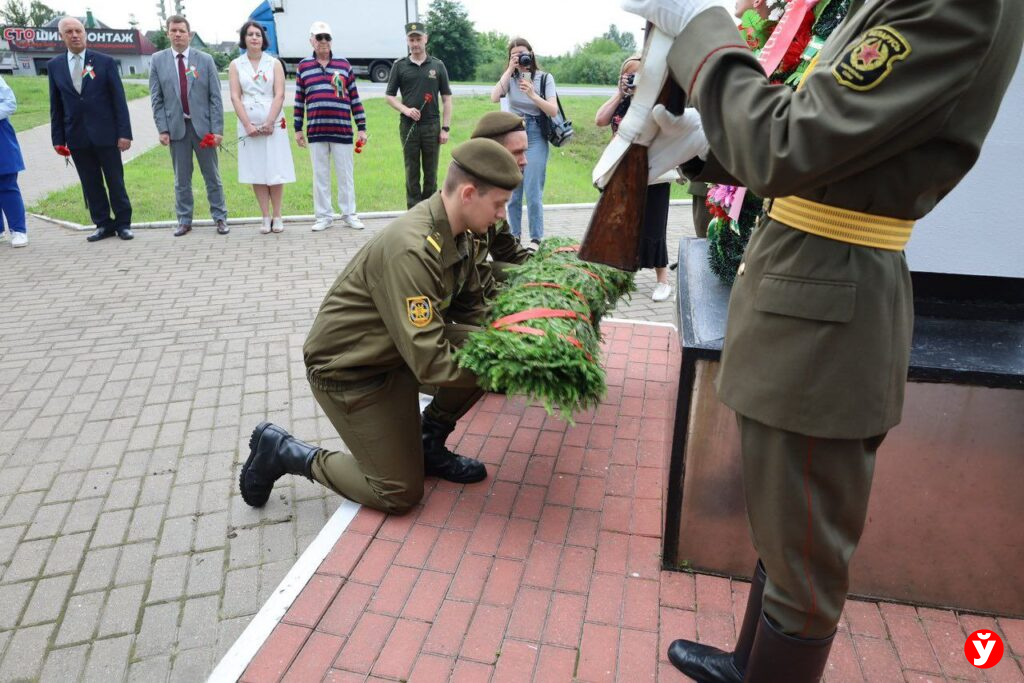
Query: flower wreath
x=727 y=238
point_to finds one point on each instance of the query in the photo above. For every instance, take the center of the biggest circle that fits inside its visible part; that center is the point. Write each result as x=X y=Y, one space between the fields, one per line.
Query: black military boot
x=273 y=453
x=780 y=658
x=707 y=664
x=438 y=461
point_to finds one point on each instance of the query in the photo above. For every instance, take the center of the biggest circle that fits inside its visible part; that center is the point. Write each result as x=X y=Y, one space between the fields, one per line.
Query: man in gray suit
x=185 y=91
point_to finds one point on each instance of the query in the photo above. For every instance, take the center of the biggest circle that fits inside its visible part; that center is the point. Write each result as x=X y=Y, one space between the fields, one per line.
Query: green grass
x=379 y=175
x=33 y=94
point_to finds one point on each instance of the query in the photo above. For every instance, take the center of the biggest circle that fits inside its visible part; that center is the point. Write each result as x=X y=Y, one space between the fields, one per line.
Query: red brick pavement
x=550 y=569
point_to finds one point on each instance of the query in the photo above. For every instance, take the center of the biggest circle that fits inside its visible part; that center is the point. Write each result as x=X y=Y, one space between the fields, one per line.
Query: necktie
x=76 y=72
x=183 y=83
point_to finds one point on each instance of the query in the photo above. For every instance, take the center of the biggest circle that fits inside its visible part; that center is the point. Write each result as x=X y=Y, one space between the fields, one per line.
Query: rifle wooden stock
x=616 y=226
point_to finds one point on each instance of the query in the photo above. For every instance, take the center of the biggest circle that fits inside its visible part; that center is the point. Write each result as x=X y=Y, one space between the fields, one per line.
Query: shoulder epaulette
x=434 y=240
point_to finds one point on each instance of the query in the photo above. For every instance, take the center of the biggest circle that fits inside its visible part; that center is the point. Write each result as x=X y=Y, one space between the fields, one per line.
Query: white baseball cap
x=319 y=27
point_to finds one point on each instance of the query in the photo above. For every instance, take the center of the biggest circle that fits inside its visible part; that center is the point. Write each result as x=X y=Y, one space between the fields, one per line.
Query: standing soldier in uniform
x=816 y=352
x=508 y=130
x=390 y=324
x=423 y=81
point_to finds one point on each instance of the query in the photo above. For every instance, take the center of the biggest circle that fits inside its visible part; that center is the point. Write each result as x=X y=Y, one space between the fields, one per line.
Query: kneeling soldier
x=389 y=325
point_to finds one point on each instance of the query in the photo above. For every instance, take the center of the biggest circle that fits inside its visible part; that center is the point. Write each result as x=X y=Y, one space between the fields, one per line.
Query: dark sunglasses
x=323 y=37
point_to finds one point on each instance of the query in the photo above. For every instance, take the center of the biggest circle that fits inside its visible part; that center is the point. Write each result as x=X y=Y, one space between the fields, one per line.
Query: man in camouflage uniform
x=888 y=121
x=389 y=324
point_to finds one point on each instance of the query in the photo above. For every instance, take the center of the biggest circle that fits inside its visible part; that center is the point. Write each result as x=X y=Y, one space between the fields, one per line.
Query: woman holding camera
x=521 y=85
x=653 y=246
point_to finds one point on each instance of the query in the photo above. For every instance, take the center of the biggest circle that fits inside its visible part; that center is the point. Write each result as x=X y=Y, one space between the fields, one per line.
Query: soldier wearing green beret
x=389 y=325
x=423 y=81
x=509 y=130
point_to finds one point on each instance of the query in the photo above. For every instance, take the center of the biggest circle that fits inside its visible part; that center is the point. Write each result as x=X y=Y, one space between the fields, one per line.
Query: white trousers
x=320 y=153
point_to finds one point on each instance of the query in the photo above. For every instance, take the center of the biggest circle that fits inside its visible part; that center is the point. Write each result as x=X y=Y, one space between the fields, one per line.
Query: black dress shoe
x=438 y=461
x=222 y=228
x=100 y=234
x=273 y=453
x=125 y=233
x=182 y=230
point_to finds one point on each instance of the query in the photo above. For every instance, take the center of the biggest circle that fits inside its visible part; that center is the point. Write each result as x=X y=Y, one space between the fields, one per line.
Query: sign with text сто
x=47 y=39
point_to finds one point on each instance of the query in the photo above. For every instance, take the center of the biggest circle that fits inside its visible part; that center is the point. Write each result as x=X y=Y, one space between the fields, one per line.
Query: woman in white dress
x=264 y=147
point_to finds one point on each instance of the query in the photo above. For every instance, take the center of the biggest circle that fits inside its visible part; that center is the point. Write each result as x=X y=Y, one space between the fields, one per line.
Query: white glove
x=680 y=138
x=671 y=16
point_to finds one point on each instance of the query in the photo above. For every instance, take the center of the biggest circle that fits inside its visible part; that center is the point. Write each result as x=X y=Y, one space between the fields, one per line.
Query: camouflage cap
x=496 y=123
x=415 y=27
x=490 y=162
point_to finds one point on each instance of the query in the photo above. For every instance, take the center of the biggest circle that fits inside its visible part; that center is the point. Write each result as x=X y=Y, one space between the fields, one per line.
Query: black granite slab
x=967 y=330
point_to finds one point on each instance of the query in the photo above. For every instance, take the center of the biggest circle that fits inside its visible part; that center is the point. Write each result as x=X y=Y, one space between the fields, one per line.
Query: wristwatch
x=446 y=128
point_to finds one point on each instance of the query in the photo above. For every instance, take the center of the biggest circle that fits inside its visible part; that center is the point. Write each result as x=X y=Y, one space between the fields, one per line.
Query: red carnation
x=208 y=141
x=796 y=49
x=283 y=124
x=64 y=152
x=428 y=98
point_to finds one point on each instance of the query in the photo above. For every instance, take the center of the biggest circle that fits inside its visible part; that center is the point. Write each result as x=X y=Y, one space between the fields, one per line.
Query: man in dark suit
x=89 y=115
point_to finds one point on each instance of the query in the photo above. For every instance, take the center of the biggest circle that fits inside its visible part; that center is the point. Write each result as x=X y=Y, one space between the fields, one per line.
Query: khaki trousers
x=807 y=500
x=379 y=420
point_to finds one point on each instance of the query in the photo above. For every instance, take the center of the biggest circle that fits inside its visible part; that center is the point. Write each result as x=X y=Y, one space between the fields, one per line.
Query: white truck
x=370 y=35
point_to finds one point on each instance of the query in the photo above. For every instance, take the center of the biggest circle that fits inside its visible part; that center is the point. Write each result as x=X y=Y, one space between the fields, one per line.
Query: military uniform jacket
x=889 y=120
x=503 y=246
x=389 y=306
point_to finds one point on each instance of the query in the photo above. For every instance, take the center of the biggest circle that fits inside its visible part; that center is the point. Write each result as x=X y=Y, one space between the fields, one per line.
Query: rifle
x=616 y=226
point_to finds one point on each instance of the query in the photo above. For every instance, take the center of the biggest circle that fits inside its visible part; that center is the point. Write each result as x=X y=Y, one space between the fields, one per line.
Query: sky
x=552 y=26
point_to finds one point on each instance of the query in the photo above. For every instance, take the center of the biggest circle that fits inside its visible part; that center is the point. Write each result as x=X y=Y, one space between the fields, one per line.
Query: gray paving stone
x=24 y=656
x=146 y=522
x=12 y=601
x=176 y=535
x=168 y=582
x=123 y=494
x=108 y=660
x=136 y=563
x=211 y=531
x=240 y=592
x=206 y=573
x=67 y=554
x=83 y=515
x=64 y=664
x=192 y=665
x=121 y=613
x=9 y=538
x=65 y=487
x=48 y=600
x=28 y=560
x=97 y=570
x=21 y=508
x=159 y=627
x=80 y=618
x=199 y=622
x=111 y=528
x=184 y=500
x=152 y=670
x=47 y=521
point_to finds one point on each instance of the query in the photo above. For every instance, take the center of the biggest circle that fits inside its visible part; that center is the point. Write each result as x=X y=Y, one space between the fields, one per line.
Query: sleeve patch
x=420 y=311
x=871 y=58
x=434 y=241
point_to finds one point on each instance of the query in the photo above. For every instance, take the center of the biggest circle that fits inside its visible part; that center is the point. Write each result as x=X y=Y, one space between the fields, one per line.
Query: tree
x=14 y=13
x=40 y=13
x=492 y=55
x=160 y=40
x=626 y=41
x=452 y=38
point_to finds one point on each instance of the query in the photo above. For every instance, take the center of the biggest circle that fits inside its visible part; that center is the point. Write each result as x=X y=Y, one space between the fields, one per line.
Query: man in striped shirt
x=326 y=96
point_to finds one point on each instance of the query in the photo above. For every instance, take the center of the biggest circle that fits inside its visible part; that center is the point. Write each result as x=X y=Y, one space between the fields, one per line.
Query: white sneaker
x=322 y=224
x=19 y=239
x=662 y=291
x=353 y=221
x=265 y=228
x=277 y=225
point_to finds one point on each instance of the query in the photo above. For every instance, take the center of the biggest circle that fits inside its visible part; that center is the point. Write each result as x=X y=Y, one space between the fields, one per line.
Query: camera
x=630 y=84
x=525 y=60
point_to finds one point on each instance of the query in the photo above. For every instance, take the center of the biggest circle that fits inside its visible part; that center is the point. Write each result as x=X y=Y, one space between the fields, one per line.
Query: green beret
x=496 y=123
x=415 y=27
x=488 y=161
